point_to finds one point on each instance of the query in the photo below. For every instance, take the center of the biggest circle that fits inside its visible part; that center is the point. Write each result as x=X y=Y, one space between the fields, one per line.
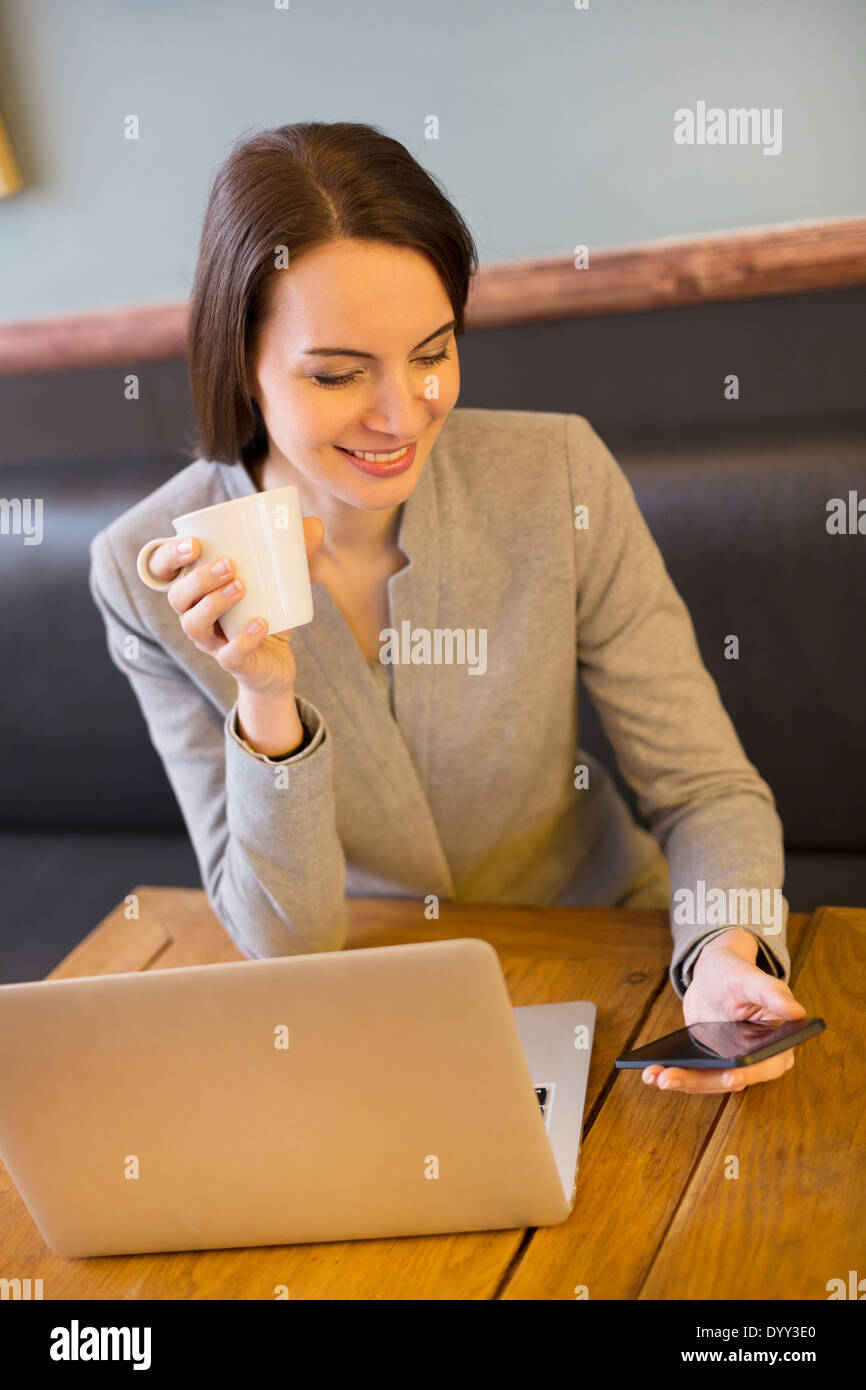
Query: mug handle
x=142 y=563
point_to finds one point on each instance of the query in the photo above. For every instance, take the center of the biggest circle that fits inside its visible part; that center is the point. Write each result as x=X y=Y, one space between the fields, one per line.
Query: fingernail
x=674 y=1085
x=727 y=1079
x=184 y=547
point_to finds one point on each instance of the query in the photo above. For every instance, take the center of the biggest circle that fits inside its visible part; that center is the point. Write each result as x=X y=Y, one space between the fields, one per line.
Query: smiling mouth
x=376 y=457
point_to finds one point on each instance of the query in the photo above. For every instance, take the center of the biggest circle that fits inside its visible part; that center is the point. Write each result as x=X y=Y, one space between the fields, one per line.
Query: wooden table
x=656 y=1217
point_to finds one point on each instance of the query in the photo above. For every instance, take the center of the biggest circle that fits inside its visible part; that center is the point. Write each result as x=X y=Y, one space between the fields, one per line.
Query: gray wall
x=556 y=125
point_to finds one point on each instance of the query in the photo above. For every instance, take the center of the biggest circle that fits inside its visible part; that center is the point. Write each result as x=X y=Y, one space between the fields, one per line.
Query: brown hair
x=299 y=186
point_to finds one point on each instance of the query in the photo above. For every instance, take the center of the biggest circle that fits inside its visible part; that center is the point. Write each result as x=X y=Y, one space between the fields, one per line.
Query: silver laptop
x=391 y=1091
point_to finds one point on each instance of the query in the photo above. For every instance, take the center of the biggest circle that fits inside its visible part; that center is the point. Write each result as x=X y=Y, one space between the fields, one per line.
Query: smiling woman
x=357 y=755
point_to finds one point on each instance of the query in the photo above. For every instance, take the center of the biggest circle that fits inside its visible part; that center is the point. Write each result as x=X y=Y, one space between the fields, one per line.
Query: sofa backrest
x=735 y=494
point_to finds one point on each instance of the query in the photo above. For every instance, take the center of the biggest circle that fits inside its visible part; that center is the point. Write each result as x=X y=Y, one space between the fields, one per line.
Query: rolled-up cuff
x=309 y=716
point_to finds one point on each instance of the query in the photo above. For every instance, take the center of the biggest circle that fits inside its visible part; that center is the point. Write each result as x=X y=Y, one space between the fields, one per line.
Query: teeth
x=379 y=458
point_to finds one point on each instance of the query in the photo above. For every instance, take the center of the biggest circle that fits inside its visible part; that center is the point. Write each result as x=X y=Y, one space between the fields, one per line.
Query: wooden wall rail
x=784 y=259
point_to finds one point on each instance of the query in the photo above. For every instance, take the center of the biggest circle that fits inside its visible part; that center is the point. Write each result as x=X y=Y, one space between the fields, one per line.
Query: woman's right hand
x=259 y=662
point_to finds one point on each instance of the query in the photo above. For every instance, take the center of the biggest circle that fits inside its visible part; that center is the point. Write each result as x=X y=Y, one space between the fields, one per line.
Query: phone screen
x=727 y=1044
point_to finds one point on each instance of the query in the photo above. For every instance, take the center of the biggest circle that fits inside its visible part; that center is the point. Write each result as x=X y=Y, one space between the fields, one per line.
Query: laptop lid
x=334 y=1096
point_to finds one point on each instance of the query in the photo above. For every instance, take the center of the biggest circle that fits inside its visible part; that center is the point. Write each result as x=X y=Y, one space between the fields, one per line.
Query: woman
x=329 y=293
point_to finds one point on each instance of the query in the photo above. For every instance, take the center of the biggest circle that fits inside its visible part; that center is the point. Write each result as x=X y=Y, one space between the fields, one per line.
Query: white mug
x=263 y=534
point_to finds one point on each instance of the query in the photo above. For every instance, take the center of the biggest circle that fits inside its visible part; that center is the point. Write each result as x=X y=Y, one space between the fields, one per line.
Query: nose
x=398 y=409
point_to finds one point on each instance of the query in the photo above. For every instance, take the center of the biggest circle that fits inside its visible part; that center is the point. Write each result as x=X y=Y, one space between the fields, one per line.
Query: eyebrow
x=356 y=352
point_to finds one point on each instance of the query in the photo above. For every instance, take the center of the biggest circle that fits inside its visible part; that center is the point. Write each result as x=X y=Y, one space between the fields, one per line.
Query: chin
x=384 y=494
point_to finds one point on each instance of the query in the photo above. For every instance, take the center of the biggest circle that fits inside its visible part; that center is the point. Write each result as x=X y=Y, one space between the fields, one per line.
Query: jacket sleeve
x=713 y=816
x=263 y=830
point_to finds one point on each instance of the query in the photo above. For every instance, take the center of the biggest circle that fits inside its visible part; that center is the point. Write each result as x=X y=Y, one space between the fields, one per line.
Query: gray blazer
x=468 y=784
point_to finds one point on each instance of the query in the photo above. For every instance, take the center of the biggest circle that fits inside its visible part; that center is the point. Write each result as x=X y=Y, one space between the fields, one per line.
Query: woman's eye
x=434 y=361
x=336 y=381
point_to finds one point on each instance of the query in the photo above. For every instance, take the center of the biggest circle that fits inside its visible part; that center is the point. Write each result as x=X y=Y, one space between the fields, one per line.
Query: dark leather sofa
x=735 y=493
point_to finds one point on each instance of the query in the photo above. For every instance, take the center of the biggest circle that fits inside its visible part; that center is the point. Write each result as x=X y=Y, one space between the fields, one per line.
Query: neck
x=353 y=535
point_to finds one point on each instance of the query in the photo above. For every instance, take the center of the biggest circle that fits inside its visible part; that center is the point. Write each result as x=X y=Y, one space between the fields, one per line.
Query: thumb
x=772 y=994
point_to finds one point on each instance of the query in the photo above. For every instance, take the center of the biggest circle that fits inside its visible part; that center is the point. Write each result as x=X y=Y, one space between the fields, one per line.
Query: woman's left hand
x=727 y=984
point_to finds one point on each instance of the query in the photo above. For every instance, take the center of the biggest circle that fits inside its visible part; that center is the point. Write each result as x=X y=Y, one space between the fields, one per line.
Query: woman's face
x=393 y=381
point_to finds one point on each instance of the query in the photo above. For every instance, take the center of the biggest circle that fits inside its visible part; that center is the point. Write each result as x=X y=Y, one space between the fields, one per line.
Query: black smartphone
x=726 y=1044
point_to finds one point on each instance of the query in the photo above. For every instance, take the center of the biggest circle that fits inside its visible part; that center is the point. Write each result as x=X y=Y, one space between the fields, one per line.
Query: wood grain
x=120 y=337
x=795 y=1217
x=636 y=1163
x=783 y=259
x=668 y=274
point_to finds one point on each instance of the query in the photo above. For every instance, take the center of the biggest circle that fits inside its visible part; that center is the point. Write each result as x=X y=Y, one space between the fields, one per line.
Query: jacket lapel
x=395 y=749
